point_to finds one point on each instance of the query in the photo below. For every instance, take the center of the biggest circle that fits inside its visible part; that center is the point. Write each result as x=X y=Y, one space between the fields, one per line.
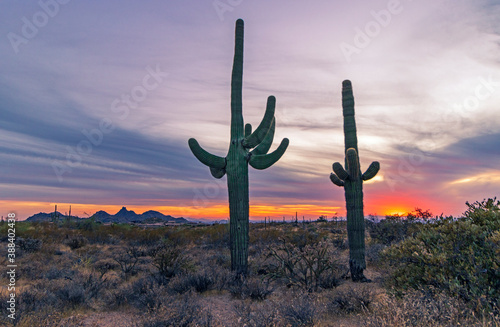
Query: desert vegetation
x=425 y=271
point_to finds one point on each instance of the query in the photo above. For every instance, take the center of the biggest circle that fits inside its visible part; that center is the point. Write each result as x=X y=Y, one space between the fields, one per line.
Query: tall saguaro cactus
x=352 y=181
x=246 y=147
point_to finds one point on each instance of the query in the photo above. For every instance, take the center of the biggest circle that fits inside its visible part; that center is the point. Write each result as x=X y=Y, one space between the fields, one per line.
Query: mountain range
x=122 y=216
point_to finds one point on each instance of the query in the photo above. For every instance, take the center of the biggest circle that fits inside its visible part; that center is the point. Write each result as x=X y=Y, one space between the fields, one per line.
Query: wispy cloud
x=414 y=86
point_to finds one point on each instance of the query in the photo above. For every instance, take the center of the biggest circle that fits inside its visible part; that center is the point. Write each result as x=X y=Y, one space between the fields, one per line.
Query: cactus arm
x=217 y=173
x=237 y=84
x=371 y=171
x=263 y=161
x=260 y=133
x=335 y=180
x=340 y=171
x=248 y=130
x=351 y=140
x=206 y=158
x=265 y=145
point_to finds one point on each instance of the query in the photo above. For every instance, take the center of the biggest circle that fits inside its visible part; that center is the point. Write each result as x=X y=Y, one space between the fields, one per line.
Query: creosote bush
x=351 y=300
x=423 y=308
x=249 y=287
x=76 y=242
x=29 y=244
x=300 y=311
x=458 y=256
x=169 y=261
x=184 y=310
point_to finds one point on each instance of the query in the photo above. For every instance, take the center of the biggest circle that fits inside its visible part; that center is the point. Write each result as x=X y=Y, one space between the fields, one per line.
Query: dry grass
x=123 y=276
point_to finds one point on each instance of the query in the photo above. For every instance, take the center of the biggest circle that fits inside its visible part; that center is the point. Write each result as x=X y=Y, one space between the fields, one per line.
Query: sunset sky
x=99 y=98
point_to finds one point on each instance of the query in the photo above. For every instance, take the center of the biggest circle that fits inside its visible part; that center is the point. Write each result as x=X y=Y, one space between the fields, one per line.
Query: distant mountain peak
x=124 y=210
x=122 y=216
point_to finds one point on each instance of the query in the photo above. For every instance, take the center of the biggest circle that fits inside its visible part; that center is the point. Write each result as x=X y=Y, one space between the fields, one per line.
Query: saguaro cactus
x=352 y=181
x=246 y=147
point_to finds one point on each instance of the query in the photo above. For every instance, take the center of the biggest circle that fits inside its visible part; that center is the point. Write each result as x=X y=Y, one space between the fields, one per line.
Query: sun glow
x=493 y=177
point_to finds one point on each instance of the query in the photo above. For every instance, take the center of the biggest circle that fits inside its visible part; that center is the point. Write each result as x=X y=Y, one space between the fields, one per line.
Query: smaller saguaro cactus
x=352 y=180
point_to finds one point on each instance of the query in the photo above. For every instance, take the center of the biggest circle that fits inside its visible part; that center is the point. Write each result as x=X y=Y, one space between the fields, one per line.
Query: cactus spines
x=352 y=180
x=246 y=147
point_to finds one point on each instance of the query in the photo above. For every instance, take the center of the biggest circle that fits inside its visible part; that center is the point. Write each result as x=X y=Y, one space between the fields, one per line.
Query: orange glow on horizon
x=375 y=204
x=218 y=211
x=400 y=204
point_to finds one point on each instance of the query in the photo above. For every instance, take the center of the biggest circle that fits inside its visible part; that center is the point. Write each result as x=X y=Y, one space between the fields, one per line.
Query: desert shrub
x=300 y=311
x=128 y=258
x=147 y=295
x=197 y=281
x=340 y=241
x=350 y=300
x=202 y=281
x=29 y=244
x=221 y=259
x=75 y=242
x=59 y=273
x=305 y=266
x=373 y=252
x=391 y=230
x=459 y=256
x=248 y=287
x=146 y=237
x=421 y=308
x=93 y=285
x=32 y=271
x=105 y=265
x=36 y=300
x=143 y=293
x=184 y=311
x=169 y=261
x=88 y=224
x=305 y=237
x=184 y=235
x=216 y=236
x=265 y=236
x=394 y=229
x=70 y=294
x=251 y=314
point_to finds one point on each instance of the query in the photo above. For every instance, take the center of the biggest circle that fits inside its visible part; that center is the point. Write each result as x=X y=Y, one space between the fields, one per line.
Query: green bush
x=459 y=256
x=394 y=229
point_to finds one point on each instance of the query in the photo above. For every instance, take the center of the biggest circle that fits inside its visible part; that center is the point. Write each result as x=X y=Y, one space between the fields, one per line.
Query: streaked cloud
x=423 y=108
